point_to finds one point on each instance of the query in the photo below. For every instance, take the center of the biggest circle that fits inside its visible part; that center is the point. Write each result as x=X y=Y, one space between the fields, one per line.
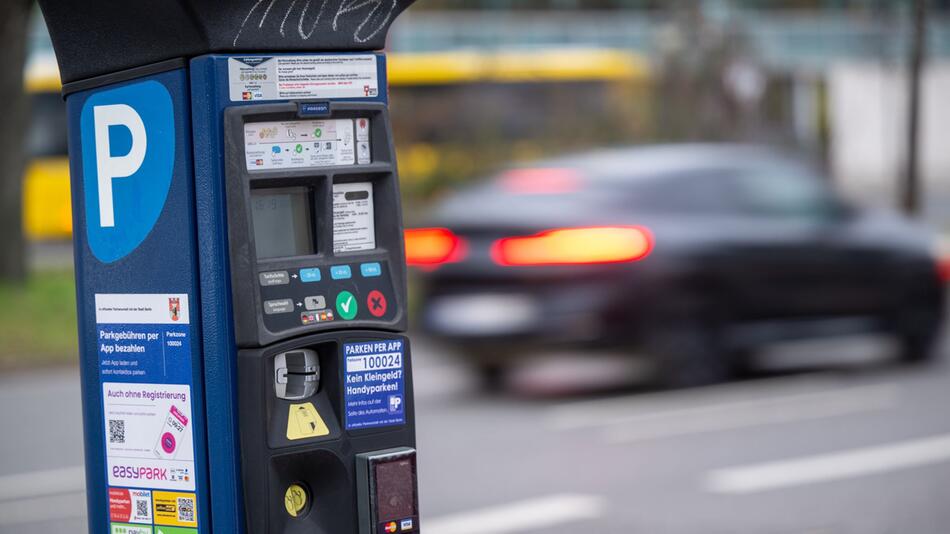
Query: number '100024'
x=382 y=361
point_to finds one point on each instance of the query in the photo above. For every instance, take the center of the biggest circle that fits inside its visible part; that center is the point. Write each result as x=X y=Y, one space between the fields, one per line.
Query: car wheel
x=690 y=354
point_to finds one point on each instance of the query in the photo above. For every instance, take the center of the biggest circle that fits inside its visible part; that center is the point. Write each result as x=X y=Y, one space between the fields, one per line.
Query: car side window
x=707 y=192
x=784 y=191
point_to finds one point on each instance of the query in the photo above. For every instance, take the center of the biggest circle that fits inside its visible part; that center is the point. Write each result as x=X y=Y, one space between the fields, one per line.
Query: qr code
x=116 y=431
x=142 y=508
x=186 y=509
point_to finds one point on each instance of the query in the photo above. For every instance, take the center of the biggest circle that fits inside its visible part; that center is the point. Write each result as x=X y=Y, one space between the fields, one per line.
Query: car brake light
x=943 y=269
x=575 y=246
x=433 y=246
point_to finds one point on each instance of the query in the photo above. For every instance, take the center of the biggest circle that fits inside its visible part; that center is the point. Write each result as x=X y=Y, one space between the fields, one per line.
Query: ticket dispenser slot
x=318 y=285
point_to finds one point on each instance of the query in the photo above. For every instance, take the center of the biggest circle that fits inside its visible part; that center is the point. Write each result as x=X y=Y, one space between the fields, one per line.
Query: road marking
x=829 y=467
x=588 y=414
x=738 y=415
x=39 y=510
x=533 y=514
x=672 y=414
x=39 y=483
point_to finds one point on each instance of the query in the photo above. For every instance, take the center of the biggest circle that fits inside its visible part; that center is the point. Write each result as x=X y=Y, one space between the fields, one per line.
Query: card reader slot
x=296 y=374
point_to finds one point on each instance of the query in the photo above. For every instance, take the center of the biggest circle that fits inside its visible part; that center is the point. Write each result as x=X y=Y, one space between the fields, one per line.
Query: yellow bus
x=46 y=203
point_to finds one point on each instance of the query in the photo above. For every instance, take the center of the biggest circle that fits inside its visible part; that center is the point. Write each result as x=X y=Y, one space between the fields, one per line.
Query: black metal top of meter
x=107 y=36
x=314 y=221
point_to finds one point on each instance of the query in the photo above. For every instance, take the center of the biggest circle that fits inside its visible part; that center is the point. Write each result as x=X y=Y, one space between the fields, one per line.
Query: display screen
x=396 y=489
x=282 y=222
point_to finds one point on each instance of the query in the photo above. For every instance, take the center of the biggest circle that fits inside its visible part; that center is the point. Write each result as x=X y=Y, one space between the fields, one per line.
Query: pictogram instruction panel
x=305 y=144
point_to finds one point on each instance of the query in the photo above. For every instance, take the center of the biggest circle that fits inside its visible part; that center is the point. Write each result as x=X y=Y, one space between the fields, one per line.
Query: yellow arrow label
x=303 y=421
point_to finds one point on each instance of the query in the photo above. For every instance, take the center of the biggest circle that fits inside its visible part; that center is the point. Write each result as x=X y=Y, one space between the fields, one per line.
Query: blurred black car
x=697 y=254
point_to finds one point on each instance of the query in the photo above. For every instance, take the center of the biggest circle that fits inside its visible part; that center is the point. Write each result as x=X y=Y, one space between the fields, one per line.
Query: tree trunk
x=14 y=28
x=911 y=189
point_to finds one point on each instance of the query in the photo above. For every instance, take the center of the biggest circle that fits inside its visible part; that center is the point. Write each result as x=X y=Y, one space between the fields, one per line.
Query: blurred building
x=478 y=83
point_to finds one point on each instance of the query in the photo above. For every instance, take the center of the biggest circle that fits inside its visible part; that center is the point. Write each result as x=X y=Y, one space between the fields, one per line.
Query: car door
x=785 y=266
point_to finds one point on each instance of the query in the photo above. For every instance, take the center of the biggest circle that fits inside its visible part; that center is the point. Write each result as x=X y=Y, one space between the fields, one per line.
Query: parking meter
x=240 y=268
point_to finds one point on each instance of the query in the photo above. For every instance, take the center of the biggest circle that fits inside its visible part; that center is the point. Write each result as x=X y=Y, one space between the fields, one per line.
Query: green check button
x=346 y=305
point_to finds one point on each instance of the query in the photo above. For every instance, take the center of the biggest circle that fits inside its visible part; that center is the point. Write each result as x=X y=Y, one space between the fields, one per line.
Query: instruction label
x=149 y=435
x=299 y=144
x=175 y=509
x=130 y=505
x=295 y=77
x=354 y=226
x=374 y=385
x=304 y=421
x=145 y=366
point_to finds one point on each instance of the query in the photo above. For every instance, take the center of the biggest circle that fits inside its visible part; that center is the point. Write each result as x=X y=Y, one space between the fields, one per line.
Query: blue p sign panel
x=128 y=155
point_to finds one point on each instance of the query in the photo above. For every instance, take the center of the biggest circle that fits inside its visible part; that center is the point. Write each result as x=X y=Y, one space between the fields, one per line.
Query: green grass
x=38 y=321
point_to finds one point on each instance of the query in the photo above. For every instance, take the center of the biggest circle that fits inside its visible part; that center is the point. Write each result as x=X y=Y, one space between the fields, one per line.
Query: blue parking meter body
x=241 y=287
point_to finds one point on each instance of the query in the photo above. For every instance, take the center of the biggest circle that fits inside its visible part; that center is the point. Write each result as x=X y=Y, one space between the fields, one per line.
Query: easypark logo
x=139 y=473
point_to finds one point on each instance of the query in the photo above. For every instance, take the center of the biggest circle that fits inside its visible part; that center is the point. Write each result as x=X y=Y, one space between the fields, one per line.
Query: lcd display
x=282 y=222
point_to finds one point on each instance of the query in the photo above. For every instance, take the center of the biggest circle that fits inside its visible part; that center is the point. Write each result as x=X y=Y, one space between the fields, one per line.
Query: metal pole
x=911 y=188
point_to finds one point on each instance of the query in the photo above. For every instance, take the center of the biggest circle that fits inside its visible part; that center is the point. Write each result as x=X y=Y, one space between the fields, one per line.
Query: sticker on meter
x=374 y=393
x=144 y=353
x=353 y=217
x=299 y=144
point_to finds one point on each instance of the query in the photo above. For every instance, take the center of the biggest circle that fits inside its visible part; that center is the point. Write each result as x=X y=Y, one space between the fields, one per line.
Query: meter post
x=240 y=266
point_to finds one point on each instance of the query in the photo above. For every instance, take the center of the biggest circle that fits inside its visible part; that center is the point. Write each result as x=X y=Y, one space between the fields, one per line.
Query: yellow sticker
x=175 y=509
x=303 y=421
x=295 y=500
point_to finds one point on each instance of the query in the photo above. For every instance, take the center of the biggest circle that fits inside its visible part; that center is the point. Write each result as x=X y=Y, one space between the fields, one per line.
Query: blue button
x=370 y=269
x=310 y=275
x=340 y=272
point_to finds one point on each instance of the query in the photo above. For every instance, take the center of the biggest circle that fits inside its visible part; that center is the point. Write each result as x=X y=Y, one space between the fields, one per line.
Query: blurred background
x=679 y=266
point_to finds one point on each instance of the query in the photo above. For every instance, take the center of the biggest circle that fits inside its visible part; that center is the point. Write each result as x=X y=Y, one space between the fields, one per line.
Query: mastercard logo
x=390 y=527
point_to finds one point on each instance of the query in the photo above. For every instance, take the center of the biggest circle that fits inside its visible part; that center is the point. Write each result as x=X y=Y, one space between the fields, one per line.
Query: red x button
x=376 y=303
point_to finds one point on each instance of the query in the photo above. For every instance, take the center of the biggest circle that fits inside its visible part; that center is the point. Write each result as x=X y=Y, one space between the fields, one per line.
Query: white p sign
x=109 y=167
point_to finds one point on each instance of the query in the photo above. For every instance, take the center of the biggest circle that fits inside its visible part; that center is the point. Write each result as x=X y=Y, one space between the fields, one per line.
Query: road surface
x=856 y=450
